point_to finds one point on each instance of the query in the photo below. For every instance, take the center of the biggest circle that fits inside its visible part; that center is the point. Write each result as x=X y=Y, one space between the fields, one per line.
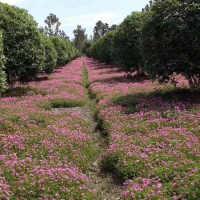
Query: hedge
x=171 y=40
x=50 y=55
x=23 y=46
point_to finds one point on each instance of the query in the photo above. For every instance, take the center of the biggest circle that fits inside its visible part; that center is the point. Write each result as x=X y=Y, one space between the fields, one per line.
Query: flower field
x=45 y=152
x=152 y=129
x=153 y=133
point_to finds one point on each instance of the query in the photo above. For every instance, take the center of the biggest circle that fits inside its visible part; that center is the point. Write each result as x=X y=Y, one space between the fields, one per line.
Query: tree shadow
x=19 y=92
x=159 y=99
x=57 y=72
x=122 y=79
x=44 y=78
x=111 y=71
x=96 y=65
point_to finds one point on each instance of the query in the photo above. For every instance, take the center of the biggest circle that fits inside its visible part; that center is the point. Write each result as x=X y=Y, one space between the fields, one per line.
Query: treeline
x=162 y=39
x=25 y=51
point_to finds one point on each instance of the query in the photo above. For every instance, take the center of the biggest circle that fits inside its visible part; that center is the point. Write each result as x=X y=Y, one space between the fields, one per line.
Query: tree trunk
x=10 y=80
x=194 y=82
x=198 y=84
x=192 y=87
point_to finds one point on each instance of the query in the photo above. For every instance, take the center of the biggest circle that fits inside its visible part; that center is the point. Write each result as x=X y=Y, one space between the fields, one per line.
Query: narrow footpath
x=107 y=185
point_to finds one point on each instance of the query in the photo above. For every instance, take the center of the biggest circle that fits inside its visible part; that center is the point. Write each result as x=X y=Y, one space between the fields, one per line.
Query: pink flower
x=159 y=185
x=125 y=193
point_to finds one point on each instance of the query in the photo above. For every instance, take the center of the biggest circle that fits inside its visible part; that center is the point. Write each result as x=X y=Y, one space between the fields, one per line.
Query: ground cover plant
x=153 y=133
x=64 y=88
x=45 y=153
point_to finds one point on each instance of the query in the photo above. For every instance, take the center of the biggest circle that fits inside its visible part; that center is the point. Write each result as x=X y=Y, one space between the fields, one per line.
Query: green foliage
x=65 y=51
x=127 y=51
x=105 y=48
x=69 y=50
x=80 y=37
x=171 y=40
x=87 y=45
x=53 y=24
x=109 y=163
x=122 y=46
x=100 y=30
x=61 y=49
x=22 y=41
x=72 y=52
x=93 y=51
x=2 y=73
x=52 y=27
x=102 y=49
x=61 y=103
x=50 y=55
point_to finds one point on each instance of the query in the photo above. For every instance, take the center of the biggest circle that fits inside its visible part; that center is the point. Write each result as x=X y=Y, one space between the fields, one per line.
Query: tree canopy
x=52 y=27
x=80 y=37
x=23 y=47
x=171 y=40
x=101 y=29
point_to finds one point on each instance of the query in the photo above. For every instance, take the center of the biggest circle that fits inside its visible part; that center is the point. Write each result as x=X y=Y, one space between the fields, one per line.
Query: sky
x=80 y=12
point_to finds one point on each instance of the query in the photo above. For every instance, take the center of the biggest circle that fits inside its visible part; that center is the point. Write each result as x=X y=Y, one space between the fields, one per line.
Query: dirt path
x=108 y=186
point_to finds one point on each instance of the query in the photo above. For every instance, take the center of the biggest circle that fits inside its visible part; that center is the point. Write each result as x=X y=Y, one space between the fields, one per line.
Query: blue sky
x=80 y=12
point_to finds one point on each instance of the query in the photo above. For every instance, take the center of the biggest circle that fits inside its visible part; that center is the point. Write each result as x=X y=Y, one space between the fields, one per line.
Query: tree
x=171 y=40
x=90 y=38
x=87 y=45
x=52 y=28
x=100 y=30
x=50 y=61
x=80 y=37
x=102 y=49
x=126 y=44
x=61 y=50
x=2 y=73
x=63 y=35
x=113 y=27
x=23 y=48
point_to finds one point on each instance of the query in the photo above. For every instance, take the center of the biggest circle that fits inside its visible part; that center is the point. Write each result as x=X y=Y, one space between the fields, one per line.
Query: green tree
x=102 y=49
x=105 y=50
x=100 y=30
x=2 y=73
x=79 y=37
x=63 y=35
x=53 y=24
x=126 y=44
x=23 y=48
x=61 y=50
x=52 y=27
x=113 y=27
x=50 y=61
x=87 y=45
x=171 y=40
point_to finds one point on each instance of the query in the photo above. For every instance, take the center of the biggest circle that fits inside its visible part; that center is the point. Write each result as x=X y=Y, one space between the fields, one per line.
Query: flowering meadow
x=45 y=152
x=153 y=134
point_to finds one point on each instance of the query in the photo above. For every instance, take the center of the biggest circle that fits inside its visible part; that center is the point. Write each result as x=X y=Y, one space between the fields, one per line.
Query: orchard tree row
x=25 y=51
x=161 y=40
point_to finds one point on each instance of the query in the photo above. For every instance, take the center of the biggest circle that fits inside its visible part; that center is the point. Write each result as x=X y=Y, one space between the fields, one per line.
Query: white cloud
x=11 y=2
x=89 y=20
